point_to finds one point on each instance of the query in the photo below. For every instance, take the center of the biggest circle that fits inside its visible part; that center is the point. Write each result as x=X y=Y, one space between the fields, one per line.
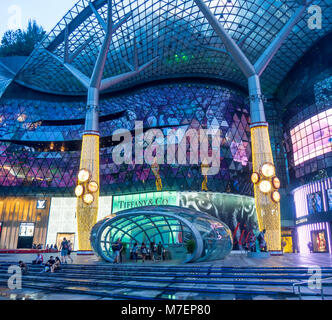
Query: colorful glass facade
x=41 y=154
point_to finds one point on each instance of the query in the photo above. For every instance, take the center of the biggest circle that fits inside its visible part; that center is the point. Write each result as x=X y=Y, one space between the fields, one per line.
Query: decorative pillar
x=87 y=208
x=268 y=210
x=87 y=213
x=155 y=169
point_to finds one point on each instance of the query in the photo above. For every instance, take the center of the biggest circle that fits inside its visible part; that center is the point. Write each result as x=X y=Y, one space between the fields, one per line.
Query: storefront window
x=319 y=241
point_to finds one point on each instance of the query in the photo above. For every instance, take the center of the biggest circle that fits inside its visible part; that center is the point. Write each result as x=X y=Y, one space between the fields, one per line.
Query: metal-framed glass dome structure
x=178 y=33
x=172 y=226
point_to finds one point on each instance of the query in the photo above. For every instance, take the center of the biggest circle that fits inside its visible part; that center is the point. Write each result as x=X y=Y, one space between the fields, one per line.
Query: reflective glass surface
x=172 y=226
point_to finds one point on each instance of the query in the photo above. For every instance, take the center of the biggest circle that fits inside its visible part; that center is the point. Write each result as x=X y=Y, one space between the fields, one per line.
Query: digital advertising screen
x=314 y=203
x=329 y=199
x=319 y=241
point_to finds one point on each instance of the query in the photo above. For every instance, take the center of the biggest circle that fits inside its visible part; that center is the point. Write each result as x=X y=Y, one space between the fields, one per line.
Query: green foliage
x=21 y=43
x=190 y=245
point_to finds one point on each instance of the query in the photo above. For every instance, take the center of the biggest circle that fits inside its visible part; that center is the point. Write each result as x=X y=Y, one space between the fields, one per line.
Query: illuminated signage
x=41 y=204
x=311 y=138
x=302 y=220
x=329 y=199
x=26 y=230
x=144 y=199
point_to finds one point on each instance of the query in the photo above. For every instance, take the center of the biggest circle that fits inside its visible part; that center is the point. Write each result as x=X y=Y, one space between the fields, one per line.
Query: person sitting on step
x=39 y=259
x=56 y=265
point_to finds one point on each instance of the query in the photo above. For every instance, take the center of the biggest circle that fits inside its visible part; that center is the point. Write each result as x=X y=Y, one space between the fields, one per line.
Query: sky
x=47 y=13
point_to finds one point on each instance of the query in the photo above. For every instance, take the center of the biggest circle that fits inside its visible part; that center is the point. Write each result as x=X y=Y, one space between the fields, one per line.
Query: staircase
x=182 y=282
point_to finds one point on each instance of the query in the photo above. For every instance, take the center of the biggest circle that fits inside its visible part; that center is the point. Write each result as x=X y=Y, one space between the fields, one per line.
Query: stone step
x=185 y=279
x=45 y=284
x=158 y=269
x=84 y=273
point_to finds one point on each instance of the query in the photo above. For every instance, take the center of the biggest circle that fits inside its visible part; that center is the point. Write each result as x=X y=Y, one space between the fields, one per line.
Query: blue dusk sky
x=47 y=13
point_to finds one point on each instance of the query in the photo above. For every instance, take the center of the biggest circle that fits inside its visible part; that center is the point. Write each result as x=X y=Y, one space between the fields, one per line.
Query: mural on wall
x=238 y=212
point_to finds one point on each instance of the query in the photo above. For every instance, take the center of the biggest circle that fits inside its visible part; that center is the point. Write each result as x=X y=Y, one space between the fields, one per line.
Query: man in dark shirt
x=49 y=264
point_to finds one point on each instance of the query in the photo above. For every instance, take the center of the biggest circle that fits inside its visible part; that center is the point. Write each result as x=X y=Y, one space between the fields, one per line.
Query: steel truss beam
x=252 y=72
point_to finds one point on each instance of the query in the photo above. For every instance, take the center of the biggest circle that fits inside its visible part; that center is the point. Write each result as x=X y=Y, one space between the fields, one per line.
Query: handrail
x=307 y=282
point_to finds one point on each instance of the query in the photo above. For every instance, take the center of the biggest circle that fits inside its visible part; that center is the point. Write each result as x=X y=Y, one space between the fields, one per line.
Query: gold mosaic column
x=87 y=214
x=268 y=211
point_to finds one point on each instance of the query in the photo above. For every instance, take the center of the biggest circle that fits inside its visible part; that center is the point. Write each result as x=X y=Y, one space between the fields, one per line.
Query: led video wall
x=312 y=137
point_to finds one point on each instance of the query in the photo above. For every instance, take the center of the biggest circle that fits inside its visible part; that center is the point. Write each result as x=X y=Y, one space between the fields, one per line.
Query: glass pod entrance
x=182 y=234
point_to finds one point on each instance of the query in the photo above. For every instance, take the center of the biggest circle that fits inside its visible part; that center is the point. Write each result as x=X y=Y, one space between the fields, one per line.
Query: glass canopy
x=178 y=33
x=172 y=226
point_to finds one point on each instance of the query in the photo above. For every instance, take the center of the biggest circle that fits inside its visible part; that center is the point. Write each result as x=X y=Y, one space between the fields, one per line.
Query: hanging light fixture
x=83 y=175
x=88 y=198
x=255 y=177
x=268 y=170
x=276 y=182
x=265 y=186
x=79 y=191
x=275 y=196
x=93 y=186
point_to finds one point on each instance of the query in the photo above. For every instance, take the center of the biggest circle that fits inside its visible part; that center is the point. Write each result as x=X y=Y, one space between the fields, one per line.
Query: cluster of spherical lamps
x=85 y=187
x=267 y=181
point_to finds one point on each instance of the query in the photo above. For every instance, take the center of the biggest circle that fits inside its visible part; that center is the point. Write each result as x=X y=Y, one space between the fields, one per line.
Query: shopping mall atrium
x=200 y=125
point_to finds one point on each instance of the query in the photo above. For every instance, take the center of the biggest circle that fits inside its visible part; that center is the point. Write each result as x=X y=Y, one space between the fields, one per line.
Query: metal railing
x=322 y=281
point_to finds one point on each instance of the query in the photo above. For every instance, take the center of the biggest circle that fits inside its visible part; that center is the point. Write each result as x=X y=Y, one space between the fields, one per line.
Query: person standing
x=143 y=251
x=70 y=249
x=120 y=250
x=64 y=250
x=262 y=242
x=160 y=248
x=152 y=251
x=117 y=248
x=135 y=251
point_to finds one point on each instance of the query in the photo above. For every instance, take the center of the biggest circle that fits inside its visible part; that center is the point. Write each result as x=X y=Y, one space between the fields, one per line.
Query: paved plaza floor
x=237 y=277
x=235 y=259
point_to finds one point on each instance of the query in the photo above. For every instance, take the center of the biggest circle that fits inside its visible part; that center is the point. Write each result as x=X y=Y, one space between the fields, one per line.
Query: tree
x=21 y=43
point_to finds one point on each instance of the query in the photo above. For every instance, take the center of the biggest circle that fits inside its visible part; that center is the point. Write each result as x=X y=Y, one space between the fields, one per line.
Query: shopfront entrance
x=68 y=236
x=25 y=236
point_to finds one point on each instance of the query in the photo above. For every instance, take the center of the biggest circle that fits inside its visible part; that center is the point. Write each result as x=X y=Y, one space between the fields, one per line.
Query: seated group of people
x=51 y=265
